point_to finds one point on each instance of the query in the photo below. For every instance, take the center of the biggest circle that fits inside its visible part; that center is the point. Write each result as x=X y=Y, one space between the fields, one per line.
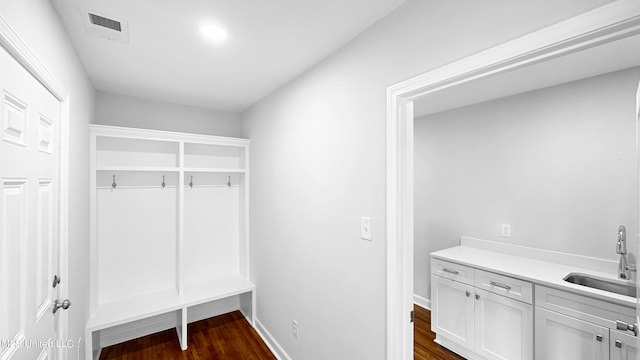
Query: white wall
x=557 y=164
x=122 y=110
x=37 y=23
x=318 y=164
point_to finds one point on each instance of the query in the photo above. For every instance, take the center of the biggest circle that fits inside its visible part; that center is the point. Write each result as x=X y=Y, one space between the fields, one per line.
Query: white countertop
x=536 y=271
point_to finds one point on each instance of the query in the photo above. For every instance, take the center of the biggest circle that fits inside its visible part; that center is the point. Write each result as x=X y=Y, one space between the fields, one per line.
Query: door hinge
x=412 y=316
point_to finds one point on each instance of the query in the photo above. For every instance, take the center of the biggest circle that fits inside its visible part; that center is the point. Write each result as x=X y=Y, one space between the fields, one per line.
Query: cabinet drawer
x=585 y=308
x=505 y=286
x=453 y=271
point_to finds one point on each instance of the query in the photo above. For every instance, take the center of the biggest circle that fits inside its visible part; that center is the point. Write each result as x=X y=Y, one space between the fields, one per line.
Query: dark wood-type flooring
x=423 y=346
x=224 y=337
x=230 y=337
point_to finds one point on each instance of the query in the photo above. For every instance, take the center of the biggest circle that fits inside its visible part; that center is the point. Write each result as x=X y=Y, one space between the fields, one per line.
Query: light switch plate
x=365 y=228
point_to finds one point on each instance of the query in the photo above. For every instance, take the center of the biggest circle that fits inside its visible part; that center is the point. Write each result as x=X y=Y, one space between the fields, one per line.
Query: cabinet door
x=452 y=310
x=623 y=346
x=560 y=337
x=503 y=327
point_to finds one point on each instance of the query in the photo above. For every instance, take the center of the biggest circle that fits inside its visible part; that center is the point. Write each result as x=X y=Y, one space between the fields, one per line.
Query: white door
x=623 y=346
x=559 y=337
x=503 y=327
x=452 y=310
x=29 y=214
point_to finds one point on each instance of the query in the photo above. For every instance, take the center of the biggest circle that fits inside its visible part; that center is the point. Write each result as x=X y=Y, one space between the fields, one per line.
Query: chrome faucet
x=621 y=248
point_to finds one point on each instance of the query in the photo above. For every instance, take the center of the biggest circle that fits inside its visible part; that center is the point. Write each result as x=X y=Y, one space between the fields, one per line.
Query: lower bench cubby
x=119 y=322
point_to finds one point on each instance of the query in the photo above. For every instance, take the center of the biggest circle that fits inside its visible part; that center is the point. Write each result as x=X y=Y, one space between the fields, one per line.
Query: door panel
x=504 y=327
x=29 y=214
x=559 y=337
x=44 y=242
x=452 y=310
x=13 y=222
x=623 y=346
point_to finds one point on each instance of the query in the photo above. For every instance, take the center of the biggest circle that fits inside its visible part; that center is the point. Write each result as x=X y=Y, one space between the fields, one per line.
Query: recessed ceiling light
x=214 y=33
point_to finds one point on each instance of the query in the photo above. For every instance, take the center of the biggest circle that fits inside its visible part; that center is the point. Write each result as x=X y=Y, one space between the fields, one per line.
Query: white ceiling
x=602 y=59
x=166 y=58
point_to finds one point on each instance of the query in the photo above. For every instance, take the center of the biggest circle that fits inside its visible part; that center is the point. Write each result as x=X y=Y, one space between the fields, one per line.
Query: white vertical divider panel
x=244 y=215
x=247 y=300
x=93 y=226
x=248 y=305
x=181 y=328
x=92 y=341
x=180 y=214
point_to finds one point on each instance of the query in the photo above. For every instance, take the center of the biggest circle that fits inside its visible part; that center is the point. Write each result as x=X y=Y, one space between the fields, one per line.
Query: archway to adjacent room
x=511 y=62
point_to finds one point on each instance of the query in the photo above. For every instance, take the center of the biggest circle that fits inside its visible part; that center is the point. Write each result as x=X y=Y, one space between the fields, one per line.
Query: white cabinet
x=481 y=324
x=623 y=346
x=503 y=327
x=571 y=326
x=452 y=310
x=483 y=315
x=560 y=337
x=169 y=231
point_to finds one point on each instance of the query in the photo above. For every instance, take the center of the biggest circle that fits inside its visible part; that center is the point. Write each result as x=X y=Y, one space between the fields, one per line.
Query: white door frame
x=14 y=45
x=637 y=236
x=613 y=21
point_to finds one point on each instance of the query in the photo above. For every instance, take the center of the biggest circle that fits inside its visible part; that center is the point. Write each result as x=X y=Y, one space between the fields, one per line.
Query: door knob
x=64 y=305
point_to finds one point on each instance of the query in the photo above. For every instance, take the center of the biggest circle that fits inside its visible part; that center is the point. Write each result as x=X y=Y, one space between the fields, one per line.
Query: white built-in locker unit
x=169 y=231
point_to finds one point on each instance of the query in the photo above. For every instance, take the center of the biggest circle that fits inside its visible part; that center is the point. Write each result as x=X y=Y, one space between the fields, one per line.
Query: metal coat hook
x=163 y=183
x=229 y=182
x=113 y=184
x=191 y=183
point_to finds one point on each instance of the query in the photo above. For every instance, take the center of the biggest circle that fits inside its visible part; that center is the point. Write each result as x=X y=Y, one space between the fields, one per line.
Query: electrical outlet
x=505 y=230
x=294 y=328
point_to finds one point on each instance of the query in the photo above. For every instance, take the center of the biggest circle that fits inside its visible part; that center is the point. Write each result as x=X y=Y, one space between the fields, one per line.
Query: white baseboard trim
x=422 y=302
x=271 y=342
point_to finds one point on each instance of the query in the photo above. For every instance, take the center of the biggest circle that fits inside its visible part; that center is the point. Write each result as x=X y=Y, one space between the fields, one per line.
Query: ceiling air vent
x=105 y=22
x=110 y=27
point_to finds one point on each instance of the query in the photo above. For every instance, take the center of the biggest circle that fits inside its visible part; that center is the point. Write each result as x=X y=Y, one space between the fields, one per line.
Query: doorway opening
x=507 y=69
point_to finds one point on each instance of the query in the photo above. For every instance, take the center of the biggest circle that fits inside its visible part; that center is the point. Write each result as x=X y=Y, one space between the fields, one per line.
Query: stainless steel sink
x=618 y=287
